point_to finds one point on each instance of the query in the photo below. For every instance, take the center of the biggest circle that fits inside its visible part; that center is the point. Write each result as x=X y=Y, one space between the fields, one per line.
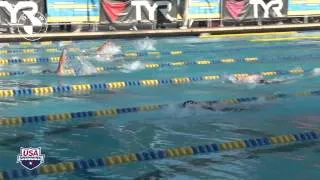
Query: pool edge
x=166 y=32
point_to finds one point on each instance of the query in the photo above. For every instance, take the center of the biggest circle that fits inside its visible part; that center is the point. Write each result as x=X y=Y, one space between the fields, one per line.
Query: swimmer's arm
x=62 y=60
x=101 y=48
x=206 y=107
x=234 y=109
x=60 y=69
x=276 y=81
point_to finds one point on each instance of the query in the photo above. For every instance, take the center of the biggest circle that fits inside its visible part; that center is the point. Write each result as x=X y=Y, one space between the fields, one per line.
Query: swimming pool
x=148 y=81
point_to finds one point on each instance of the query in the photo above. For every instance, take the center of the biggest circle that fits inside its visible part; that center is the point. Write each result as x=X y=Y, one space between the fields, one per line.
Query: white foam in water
x=2 y=45
x=86 y=68
x=111 y=49
x=34 y=69
x=145 y=44
x=316 y=72
x=134 y=66
x=105 y=58
x=108 y=52
x=309 y=42
x=62 y=44
x=177 y=111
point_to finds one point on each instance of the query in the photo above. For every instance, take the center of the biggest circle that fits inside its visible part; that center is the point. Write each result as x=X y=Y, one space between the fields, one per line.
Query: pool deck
x=165 y=32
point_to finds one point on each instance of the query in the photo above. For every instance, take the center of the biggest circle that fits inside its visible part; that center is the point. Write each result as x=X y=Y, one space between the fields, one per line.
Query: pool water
x=173 y=126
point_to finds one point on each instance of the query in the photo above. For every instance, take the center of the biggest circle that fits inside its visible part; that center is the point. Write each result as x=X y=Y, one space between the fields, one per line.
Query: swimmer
x=194 y=104
x=211 y=106
x=255 y=79
x=107 y=51
x=105 y=45
x=60 y=69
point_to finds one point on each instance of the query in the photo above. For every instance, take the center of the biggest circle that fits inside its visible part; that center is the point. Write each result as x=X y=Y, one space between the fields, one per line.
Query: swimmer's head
x=262 y=81
x=189 y=103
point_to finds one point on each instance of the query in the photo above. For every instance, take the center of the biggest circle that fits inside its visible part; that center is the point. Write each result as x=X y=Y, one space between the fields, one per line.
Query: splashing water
x=145 y=44
x=82 y=66
x=107 y=54
x=15 y=57
x=105 y=58
x=2 y=45
x=65 y=44
x=111 y=49
x=134 y=66
x=86 y=68
x=316 y=72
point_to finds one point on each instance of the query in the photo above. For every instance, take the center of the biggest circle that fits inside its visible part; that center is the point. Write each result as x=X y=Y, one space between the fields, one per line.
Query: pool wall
x=160 y=33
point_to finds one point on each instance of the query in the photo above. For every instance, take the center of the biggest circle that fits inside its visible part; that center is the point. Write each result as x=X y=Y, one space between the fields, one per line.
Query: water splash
x=85 y=68
x=64 y=44
x=15 y=57
x=134 y=66
x=105 y=58
x=145 y=44
x=108 y=52
x=316 y=72
x=250 y=81
x=111 y=49
x=2 y=45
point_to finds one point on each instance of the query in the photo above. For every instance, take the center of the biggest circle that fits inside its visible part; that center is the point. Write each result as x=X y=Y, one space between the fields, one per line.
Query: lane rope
x=21 y=120
x=40 y=91
x=206 y=35
x=285 y=39
x=101 y=69
x=133 y=54
x=160 y=154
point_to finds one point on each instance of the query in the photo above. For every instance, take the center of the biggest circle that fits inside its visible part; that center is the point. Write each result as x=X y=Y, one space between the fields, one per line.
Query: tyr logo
x=151 y=9
x=14 y=9
x=266 y=7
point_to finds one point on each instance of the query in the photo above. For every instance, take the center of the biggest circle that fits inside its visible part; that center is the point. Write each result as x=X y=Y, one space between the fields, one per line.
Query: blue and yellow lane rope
x=133 y=54
x=55 y=59
x=13 y=121
x=208 y=35
x=160 y=154
x=136 y=83
x=50 y=43
x=43 y=43
x=101 y=69
x=286 y=39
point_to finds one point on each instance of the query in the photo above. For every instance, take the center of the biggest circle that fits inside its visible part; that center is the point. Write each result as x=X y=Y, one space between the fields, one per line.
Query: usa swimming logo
x=30 y=158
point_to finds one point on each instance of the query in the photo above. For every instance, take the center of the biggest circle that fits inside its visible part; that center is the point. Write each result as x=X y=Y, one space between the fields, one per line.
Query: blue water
x=173 y=126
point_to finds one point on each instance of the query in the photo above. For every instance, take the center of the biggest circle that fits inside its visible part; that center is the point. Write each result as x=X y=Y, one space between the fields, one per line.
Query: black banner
x=138 y=10
x=240 y=10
